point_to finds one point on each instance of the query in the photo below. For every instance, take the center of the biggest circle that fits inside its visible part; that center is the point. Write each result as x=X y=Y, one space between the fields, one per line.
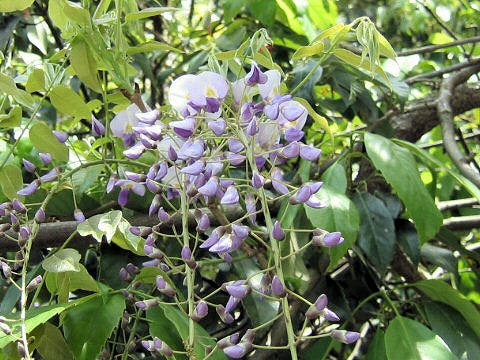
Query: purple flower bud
x=172 y=154
x=292 y=110
x=124 y=275
x=231 y=196
x=330 y=316
x=314 y=187
x=111 y=183
x=201 y=310
x=146 y=304
x=186 y=253
x=277 y=184
x=29 y=189
x=238 y=351
x=130 y=175
x=123 y=197
x=315 y=203
x=61 y=136
x=151 y=263
x=148 y=345
x=257 y=180
x=290 y=151
x=153 y=252
x=302 y=195
x=312 y=313
x=272 y=111
x=293 y=134
x=321 y=302
x=196 y=168
x=46 y=158
x=40 y=215
x=218 y=127
x=5 y=329
x=135 y=151
x=252 y=128
x=277 y=232
x=255 y=76
x=163 y=215
x=125 y=320
x=155 y=205
x=6 y=271
x=235 y=159
x=78 y=215
x=132 y=269
x=148 y=117
x=203 y=223
x=235 y=145
x=240 y=231
x=24 y=232
x=249 y=336
x=323 y=238
x=224 y=244
x=153 y=186
x=49 y=176
x=164 y=287
x=225 y=316
x=238 y=291
x=210 y=187
x=36 y=281
x=232 y=303
x=184 y=128
x=13 y=219
x=18 y=206
x=29 y=166
x=213 y=238
x=162 y=171
x=97 y=127
x=347 y=337
x=309 y=153
x=278 y=289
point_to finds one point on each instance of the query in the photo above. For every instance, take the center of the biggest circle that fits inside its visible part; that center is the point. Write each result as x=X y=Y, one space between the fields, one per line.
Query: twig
x=443 y=71
x=469 y=155
x=135 y=98
x=445 y=114
x=431 y=48
x=462 y=222
x=455 y=204
x=440 y=142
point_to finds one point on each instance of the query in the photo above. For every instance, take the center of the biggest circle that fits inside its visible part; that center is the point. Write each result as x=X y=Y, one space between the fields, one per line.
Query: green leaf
x=44 y=141
x=309 y=50
x=232 y=8
x=83 y=179
x=439 y=291
x=57 y=14
x=63 y=260
x=399 y=169
x=339 y=214
x=148 y=12
x=8 y=87
x=14 y=5
x=407 y=238
x=50 y=343
x=316 y=117
x=377 y=231
x=88 y=325
x=440 y=256
x=336 y=178
x=151 y=46
x=408 y=339
x=100 y=225
x=126 y=240
x=76 y=13
x=427 y=158
x=36 y=81
x=11 y=181
x=11 y=120
x=385 y=47
x=84 y=64
x=333 y=31
x=76 y=280
x=69 y=102
x=263 y=10
x=322 y=13
x=453 y=329
x=376 y=349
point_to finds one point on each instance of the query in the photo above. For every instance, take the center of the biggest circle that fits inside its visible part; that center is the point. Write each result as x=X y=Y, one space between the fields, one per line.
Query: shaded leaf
x=150 y=47
x=45 y=141
x=50 y=343
x=11 y=181
x=36 y=81
x=376 y=349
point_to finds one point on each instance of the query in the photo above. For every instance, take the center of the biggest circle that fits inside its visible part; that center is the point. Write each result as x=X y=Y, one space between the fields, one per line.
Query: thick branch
x=445 y=70
x=446 y=114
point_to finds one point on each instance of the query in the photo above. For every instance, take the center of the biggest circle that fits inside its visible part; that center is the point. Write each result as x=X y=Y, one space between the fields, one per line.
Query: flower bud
x=78 y=215
x=7 y=272
x=32 y=285
x=5 y=328
x=255 y=76
x=18 y=206
x=257 y=180
x=232 y=304
x=40 y=215
x=98 y=129
x=225 y=316
x=278 y=289
x=164 y=287
x=330 y=316
x=124 y=275
x=163 y=215
x=146 y=304
x=218 y=126
x=323 y=238
x=61 y=136
x=277 y=232
x=153 y=252
x=30 y=167
x=201 y=310
x=46 y=158
x=228 y=341
x=49 y=176
x=29 y=189
x=238 y=290
x=238 y=351
x=347 y=337
x=125 y=320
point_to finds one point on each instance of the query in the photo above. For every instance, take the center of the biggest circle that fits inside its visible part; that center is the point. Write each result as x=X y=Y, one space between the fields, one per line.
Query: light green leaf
x=8 y=87
x=336 y=178
x=44 y=141
x=440 y=291
x=400 y=170
x=88 y=325
x=148 y=12
x=12 y=119
x=109 y=222
x=339 y=214
x=333 y=31
x=36 y=81
x=90 y=227
x=385 y=47
x=150 y=47
x=426 y=157
x=377 y=231
x=408 y=339
x=76 y=280
x=84 y=64
x=69 y=102
x=83 y=179
x=11 y=181
x=14 y=5
x=50 y=343
x=57 y=14
x=63 y=260
x=126 y=240
x=76 y=13
x=309 y=50
x=316 y=117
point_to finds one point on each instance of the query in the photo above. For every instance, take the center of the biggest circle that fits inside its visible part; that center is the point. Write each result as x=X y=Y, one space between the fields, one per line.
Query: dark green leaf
x=399 y=169
x=83 y=179
x=49 y=342
x=376 y=236
x=376 y=349
x=440 y=257
x=453 y=329
x=408 y=339
x=336 y=178
x=439 y=291
x=88 y=325
x=263 y=10
x=407 y=238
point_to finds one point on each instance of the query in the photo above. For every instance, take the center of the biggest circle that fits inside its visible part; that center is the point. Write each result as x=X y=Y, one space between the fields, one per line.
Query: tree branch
x=431 y=48
x=446 y=114
x=443 y=71
x=456 y=204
